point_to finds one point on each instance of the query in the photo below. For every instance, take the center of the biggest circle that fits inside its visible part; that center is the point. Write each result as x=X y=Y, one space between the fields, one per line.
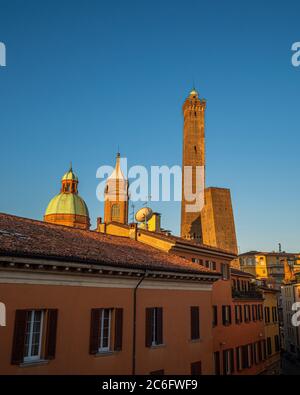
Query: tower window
x=115 y=212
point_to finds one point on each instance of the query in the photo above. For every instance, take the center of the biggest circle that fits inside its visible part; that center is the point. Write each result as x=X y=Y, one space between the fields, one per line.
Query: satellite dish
x=144 y=214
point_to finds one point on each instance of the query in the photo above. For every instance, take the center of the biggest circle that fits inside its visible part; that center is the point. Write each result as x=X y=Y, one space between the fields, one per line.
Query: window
x=226 y=315
x=105 y=324
x=254 y=312
x=247 y=356
x=225 y=271
x=241 y=312
x=154 y=326
x=217 y=363
x=101 y=330
x=259 y=351
x=215 y=316
x=196 y=369
x=247 y=313
x=277 y=343
x=115 y=212
x=260 y=312
x=274 y=314
x=238 y=311
x=267 y=315
x=34 y=336
x=238 y=352
x=264 y=345
x=195 y=323
x=269 y=346
x=228 y=362
x=254 y=353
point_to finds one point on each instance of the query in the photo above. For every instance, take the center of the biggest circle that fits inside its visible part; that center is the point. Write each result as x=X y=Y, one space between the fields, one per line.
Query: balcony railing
x=251 y=294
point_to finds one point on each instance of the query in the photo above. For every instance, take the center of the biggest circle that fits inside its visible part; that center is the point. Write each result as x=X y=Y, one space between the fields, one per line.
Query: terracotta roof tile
x=27 y=237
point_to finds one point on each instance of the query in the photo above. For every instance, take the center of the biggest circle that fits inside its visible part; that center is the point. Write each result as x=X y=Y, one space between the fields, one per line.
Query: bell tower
x=193 y=156
x=116 y=196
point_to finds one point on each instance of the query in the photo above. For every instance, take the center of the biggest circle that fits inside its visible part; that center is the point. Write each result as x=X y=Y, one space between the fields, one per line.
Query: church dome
x=68 y=208
x=67 y=203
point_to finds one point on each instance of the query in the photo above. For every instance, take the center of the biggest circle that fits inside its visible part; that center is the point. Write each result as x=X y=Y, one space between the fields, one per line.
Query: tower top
x=117 y=173
x=194 y=93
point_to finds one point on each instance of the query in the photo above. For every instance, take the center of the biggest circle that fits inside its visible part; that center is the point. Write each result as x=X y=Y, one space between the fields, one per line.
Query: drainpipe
x=134 y=323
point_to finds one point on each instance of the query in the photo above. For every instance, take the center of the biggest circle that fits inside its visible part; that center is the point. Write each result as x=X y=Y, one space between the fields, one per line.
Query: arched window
x=115 y=212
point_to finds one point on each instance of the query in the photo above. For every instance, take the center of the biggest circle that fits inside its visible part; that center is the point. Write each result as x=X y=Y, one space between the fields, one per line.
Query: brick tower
x=194 y=156
x=218 y=228
x=116 y=196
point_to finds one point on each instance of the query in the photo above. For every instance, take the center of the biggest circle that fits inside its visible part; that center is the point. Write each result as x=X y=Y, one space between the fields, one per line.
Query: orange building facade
x=79 y=302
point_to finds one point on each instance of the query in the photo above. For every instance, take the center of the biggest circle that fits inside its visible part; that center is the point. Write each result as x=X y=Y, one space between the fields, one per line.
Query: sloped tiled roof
x=30 y=238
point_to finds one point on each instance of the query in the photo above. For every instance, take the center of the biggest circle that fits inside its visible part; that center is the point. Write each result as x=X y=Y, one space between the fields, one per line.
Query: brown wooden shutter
x=241 y=313
x=224 y=315
x=224 y=363
x=95 y=331
x=159 y=325
x=232 y=360
x=196 y=368
x=51 y=330
x=217 y=363
x=19 y=337
x=148 y=326
x=237 y=357
x=195 y=332
x=118 y=329
x=229 y=312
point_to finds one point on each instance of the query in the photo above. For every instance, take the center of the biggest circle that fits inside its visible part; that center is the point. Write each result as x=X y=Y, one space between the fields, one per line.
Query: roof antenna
x=132 y=213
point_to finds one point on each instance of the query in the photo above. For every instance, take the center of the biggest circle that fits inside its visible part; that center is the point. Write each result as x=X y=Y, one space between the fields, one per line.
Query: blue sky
x=84 y=77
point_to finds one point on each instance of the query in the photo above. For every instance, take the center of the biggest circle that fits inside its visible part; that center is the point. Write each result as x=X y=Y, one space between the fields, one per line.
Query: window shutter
x=224 y=315
x=224 y=363
x=196 y=368
x=217 y=363
x=241 y=313
x=19 y=337
x=195 y=332
x=95 y=331
x=159 y=325
x=229 y=312
x=118 y=329
x=148 y=327
x=51 y=333
x=238 y=362
x=232 y=360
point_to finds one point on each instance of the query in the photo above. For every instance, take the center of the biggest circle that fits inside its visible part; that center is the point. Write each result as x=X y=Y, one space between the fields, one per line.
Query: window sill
x=104 y=353
x=157 y=346
x=195 y=340
x=34 y=363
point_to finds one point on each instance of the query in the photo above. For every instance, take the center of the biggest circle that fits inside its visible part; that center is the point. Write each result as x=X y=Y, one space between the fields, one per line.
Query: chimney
x=133 y=231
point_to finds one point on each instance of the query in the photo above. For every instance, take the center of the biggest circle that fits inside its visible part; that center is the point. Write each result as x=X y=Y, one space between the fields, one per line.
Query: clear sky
x=84 y=77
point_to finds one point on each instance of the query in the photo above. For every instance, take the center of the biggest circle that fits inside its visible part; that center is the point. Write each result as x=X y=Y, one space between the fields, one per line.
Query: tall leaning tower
x=194 y=156
x=213 y=223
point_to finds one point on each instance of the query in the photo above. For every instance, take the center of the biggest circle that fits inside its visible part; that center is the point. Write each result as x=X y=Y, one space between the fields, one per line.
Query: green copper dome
x=67 y=203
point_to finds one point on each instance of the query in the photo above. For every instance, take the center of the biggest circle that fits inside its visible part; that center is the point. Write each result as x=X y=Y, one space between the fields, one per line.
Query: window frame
x=30 y=358
x=101 y=337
